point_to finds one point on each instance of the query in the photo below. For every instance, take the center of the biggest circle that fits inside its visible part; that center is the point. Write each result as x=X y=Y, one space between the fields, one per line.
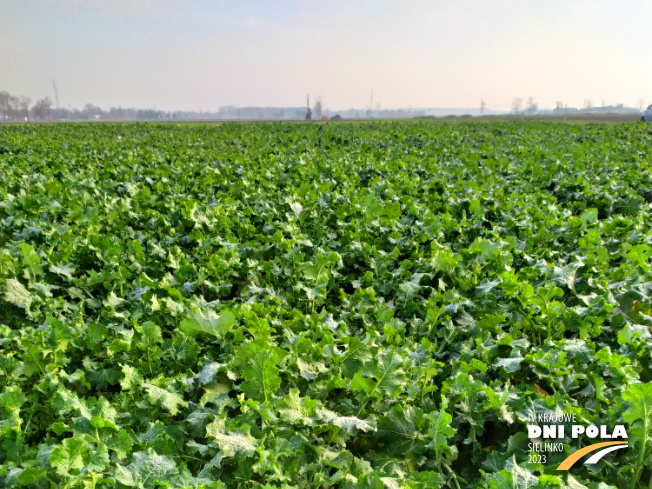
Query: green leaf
x=232 y=443
x=566 y=275
x=259 y=370
x=12 y=398
x=113 y=300
x=171 y=401
x=348 y=424
x=98 y=459
x=511 y=364
x=120 y=443
x=362 y=383
x=68 y=456
x=406 y=292
x=639 y=415
x=513 y=477
x=387 y=375
x=64 y=271
x=319 y=271
x=213 y=463
x=131 y=377
x=207 y=321
x=65 y=401
x=401 y=429
x=16 y=294
x=440 y=431
x=146 y=470
x=297 y=410
x=296 y=208
x=589 y=216
x=31 y=475
x=31 y=260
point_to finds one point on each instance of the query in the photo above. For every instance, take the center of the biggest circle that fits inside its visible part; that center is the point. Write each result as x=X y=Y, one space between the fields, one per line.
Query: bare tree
x=24 y=106
x=560 y=105
x=41 y=108
x=483 y=104
x=4 y=104
x=588 y=103
x=13 y=107
x=516 y=105
x=532 y=106
x=641 y=103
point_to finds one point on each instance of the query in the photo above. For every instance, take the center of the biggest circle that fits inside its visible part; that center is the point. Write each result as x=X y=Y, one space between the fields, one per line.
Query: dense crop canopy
x=376 y=305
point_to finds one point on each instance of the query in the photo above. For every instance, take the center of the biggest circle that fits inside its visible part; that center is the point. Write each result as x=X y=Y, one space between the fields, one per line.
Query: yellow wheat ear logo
x=595 y=458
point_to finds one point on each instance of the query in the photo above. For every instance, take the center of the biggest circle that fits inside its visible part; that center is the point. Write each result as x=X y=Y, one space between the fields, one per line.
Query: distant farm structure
x=308 y=112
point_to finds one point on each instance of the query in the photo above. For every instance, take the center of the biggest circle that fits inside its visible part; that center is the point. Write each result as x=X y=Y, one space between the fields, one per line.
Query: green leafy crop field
x=373 y=305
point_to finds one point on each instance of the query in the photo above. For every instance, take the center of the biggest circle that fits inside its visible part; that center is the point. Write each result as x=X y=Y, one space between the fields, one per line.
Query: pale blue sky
x=193 y=54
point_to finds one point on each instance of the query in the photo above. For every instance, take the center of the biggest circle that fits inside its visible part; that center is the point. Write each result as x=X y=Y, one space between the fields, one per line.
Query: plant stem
x=457 y=484
x=363 y=405
x=641 y=457
x=545 y=303
x=425 y=382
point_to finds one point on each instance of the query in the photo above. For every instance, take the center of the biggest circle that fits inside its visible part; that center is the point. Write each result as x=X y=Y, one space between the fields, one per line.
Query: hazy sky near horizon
x=203 y=54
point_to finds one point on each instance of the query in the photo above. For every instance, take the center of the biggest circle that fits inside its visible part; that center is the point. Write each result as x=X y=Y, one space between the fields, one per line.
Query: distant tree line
x=532 y=108
x=20 y=108
x=15 y=108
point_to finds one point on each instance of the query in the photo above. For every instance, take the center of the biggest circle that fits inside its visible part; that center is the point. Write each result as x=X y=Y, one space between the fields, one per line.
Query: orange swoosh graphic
x=575 y=456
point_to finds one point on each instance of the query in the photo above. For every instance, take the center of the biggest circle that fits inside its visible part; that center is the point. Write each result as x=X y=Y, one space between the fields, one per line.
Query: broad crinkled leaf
x=171 y=401
x=16 y=294
x=31 y=259
x=65 y=401
x=209 y=370
x=69 y=456
x=98 y=459
x=64 y=270
x=406 y=292
x=402 y=430
x=113 y=300
x=209 y=322
x=120 y=443
x=233 y=443
x=296 y=208
x=348 y=424
x=147 y=470
x=297 y=410
x=259 y=370
x=639 y=414
x=383 y=376
x=511 y=364
x=513 y=477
